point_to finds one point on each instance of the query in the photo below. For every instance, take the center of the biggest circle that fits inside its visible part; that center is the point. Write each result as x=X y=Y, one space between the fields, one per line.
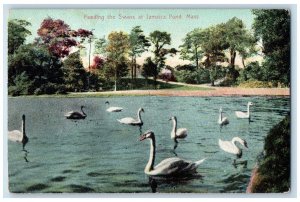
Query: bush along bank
x=272 y=173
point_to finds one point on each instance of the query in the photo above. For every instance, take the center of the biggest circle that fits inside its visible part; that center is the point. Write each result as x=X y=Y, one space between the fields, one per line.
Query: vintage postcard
x=178 y=100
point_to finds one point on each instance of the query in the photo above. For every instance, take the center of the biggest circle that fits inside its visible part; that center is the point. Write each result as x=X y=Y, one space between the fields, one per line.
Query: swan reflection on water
x=25 y=156
x=236 y=163
x=160 y=182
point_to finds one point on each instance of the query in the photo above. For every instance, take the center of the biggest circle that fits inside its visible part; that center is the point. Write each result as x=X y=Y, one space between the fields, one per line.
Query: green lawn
x=124 y=85
x=144 y=84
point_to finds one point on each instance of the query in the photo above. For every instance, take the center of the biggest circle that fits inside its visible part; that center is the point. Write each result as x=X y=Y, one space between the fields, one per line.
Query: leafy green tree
x=75 y=75
x=100 y=46
x=213 y=47
x=22 y=85
x=159 y=40
x=238 y=39
x=17 y=33
x=40 y=67
x=272 y=26
x=138 y=43
x=117 y=50
x=149 y=68
x=252 y=71
x=191 y=47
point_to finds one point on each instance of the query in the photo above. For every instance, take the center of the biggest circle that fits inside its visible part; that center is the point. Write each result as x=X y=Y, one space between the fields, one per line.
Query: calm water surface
x=100 y=155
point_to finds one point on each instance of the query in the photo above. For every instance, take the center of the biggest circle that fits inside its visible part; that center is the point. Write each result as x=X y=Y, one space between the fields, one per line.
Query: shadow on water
x=36 y=187
x=236 y=163
x=25 y=156
x=236 y=181
x=58 y=179
x=81 y=189
x=156 y=182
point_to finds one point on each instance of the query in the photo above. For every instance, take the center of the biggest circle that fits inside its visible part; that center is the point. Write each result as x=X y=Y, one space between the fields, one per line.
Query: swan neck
x=23 y=127
x=151 y=160
x=220 y=117
x=139 y=116
x=248 y=110
x=174 y=128
x=234 y=143
x=83 y=111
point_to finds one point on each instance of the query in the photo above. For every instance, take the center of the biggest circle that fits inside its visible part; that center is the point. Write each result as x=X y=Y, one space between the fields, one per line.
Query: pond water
x=100 y=155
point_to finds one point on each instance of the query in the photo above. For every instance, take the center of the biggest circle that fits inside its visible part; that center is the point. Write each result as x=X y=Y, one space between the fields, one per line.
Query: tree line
x=52 y=63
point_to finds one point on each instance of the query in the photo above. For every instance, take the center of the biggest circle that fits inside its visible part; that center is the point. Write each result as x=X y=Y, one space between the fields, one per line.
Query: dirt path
x=216 y=91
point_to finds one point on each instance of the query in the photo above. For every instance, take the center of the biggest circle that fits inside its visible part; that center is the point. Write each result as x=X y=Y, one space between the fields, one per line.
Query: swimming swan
x=170 y=166
x=19 y=136
x=76 y=115
x=113 y=109
x=244 y=115
x=179 y=133
x=132 y=121
x=230 y=146
x=222 y=120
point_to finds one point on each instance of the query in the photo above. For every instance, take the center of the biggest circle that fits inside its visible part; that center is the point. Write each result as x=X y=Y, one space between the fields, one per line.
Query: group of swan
x=239 y=114
x=230 y=146
x=168 y=167
x=82 y=114
x=19 y=136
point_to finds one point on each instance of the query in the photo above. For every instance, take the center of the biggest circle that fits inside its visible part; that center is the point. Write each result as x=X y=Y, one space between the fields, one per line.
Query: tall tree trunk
x=155 y=82
x=132 y=74
x=116 y=78
x=243 y=62
x=135 y=67
x=197 y=60
x=232 y=57
x=134 y=70
x=132 y=66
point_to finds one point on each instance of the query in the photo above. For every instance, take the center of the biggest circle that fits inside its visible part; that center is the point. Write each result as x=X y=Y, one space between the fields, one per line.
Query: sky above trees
x=177 y=22
x=81 y=18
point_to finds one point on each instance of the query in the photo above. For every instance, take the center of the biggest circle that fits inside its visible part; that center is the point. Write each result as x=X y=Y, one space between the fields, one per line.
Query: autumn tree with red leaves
x=59 y=37
x=98 y=62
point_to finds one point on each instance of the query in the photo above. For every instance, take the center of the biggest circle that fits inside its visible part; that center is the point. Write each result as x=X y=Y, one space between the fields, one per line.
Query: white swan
x=132 y=121
x=170 y=166
x=244 y=115
x=76 y=115
x=113 y=109
x=179 y=133
x=230 y=146
x=222 y=120
x=19 y=136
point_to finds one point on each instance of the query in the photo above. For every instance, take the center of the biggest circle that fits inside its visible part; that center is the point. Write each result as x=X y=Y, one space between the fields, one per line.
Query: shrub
x=21 y=85
x=255 y=84
x=50 y=88
x=185 y=67
x=167 y=74
x=273 y=174
x=198 y=76
x=186 y=76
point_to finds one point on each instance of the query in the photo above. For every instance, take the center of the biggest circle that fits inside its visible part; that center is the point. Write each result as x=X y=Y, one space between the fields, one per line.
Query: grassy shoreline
x=200 y=92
